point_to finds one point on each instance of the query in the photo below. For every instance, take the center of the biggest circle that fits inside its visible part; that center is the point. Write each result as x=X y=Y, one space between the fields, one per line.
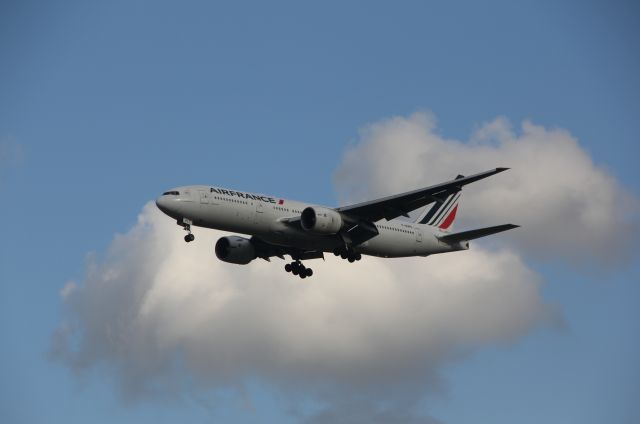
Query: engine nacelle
x=235 y=249
x=321 y=220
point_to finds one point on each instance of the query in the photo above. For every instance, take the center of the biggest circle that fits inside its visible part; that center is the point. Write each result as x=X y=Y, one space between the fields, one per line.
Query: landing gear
x=350 y=255
x=186 y=224
x=296 y=268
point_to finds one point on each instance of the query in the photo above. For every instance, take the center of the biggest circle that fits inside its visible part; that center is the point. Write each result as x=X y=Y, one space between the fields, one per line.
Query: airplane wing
x=391 y=207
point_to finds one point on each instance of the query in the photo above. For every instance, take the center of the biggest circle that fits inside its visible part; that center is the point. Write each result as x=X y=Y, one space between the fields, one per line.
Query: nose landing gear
x=296 y=268
x=186 y=224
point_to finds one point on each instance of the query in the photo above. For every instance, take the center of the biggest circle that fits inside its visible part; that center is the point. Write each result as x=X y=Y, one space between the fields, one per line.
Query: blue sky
x=103 y=106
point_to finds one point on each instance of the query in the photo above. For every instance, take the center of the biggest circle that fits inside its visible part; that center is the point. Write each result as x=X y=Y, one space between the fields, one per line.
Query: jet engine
x=235 y=250
x=321 y=220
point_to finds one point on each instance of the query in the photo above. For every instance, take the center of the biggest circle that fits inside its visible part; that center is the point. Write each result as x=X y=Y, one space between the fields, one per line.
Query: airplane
x=303 y=231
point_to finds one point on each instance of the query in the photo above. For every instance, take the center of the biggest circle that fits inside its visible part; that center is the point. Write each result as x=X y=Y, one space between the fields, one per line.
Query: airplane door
x=418 y=234
x=259 y=212
x=204 y=197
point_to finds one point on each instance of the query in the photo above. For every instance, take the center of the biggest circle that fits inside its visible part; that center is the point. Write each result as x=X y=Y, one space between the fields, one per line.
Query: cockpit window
x=171 y=193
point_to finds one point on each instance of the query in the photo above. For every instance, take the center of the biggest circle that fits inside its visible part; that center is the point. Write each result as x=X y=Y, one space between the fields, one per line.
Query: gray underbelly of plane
x=304 y=241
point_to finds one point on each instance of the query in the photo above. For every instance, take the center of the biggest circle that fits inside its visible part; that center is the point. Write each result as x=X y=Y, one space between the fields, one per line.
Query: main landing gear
x=296 y=268
x=350 y=255
x=186 y=224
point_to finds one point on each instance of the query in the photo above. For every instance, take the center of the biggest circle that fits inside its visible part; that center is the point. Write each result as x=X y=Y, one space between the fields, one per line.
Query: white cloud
x=569 y=207
x=161 y=312
x=67 y=289
x=368 y=339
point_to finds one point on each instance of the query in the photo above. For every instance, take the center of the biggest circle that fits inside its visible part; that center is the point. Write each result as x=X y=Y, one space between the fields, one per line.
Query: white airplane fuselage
x=269 y=217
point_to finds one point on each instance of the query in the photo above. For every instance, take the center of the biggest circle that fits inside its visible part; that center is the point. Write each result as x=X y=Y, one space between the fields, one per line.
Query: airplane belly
x=391 y=245
x=302 y=240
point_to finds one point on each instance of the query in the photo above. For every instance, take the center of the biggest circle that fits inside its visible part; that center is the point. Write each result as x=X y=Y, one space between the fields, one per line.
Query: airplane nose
x=170 y=204
x=163 y=204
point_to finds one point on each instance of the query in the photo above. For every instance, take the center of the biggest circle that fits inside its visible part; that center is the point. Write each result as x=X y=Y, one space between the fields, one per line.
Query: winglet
x=479 y=176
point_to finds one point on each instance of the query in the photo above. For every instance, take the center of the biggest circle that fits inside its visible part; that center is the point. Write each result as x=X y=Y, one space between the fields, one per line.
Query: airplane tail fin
x=443 y=212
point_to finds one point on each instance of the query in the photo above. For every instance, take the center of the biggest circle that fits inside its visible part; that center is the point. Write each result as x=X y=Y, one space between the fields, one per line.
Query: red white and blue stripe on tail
x=443 y=212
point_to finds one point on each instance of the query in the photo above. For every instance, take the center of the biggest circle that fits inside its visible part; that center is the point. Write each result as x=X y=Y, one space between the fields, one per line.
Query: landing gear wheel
x=352 y=259
x=296 y=268
x=358 y=256
x=186 y=225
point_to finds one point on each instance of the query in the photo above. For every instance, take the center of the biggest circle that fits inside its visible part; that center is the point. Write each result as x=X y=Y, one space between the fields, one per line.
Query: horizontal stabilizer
x=474 y=234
